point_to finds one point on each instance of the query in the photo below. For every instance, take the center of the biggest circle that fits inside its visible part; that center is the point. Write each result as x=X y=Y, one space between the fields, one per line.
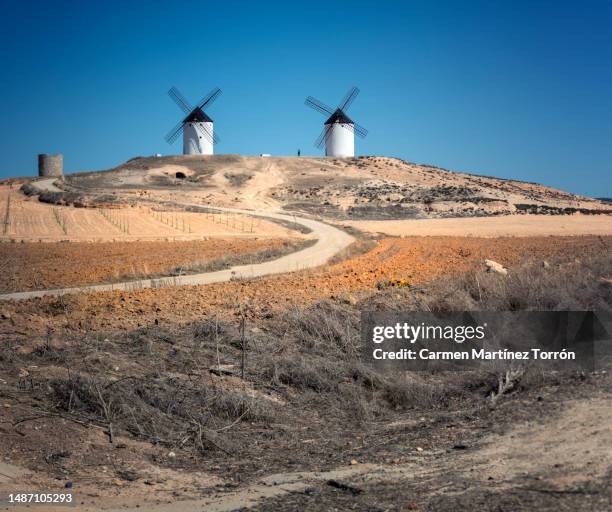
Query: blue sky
x=519 y=89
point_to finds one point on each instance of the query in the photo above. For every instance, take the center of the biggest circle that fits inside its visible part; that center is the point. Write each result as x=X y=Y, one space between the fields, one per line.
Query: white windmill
x=199 y=137
x=339 y=130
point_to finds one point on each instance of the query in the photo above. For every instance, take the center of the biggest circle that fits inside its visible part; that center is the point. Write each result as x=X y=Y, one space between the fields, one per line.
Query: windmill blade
x=323 y=136
x=319 y=106
x=205 y=132
x=348 y=99
x=208 y=100
x=174 y=133
x=180 y=100
x=360 y=130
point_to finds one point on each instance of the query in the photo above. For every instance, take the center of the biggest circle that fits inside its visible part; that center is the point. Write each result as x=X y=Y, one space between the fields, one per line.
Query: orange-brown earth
x=39 y=266
x=416 y=259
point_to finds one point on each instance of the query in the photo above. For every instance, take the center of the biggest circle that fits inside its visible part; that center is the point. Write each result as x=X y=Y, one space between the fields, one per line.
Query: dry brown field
x=25 y=218
x=416 y=260
x=39 y=266
x=505 y=225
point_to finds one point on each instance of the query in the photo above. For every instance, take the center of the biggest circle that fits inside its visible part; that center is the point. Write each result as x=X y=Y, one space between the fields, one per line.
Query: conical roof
x=339 y=117
x=197 y=115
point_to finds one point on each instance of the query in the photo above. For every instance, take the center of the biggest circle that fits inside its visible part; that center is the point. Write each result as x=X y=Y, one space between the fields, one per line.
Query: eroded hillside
x=359 y=188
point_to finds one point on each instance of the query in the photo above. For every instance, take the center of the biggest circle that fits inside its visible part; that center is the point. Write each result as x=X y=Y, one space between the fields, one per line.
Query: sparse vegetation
x=357 y=248
x=121 y=222
x=243 y=392
x=174 y=412
x=243 y=259
x=565 y=284
x=7 y=216
x=60 y=219
x=314 y=349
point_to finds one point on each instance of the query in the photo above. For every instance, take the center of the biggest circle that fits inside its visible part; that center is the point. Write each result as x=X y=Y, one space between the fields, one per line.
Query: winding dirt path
x=330 y=241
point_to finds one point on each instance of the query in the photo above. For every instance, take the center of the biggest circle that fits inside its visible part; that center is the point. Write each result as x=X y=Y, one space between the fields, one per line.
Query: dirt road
x=330 y=241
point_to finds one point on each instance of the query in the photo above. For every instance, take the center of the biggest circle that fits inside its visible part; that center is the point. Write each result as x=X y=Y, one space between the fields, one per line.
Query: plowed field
x=415 y=259
x=25 y=218
x=39 y=266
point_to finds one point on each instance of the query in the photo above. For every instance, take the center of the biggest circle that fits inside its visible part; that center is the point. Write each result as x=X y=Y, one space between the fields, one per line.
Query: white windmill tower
x=199 y=137
x=339 y=130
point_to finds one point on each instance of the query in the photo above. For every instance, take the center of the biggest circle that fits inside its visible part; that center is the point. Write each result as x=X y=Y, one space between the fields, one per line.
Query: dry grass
x=169 y=410
x=357 y=248
x=271 y=253
x=533 y=286
x=180 y=386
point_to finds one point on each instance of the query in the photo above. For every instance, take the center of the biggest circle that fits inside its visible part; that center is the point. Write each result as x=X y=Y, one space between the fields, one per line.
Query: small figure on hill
x=299 y=153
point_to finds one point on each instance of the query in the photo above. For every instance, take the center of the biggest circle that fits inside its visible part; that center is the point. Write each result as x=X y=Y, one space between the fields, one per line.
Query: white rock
x=493 y=266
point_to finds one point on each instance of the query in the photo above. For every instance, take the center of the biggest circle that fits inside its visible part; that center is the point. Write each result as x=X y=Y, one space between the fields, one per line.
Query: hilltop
x=366 y=188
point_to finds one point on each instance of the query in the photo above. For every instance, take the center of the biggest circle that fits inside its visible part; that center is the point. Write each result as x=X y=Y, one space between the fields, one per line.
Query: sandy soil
x=555 y=461
x=35 y=266
x=507 y=225
x=364 y=187
x=415 y=259
x=579 y=441
x=30 y=220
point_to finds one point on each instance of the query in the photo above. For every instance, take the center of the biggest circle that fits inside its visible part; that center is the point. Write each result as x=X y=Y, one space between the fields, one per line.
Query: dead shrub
x=477 y=382
x=366 y=376
x=8 y=354
x=47 y=352
x=77 y=393
x=302 y=373
x=415 y=394
x=171 y=411
x=361 y=408
x=324 y=327
x=565 y=285
x=209 y=330
x=232 y=406
x=56 y=306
